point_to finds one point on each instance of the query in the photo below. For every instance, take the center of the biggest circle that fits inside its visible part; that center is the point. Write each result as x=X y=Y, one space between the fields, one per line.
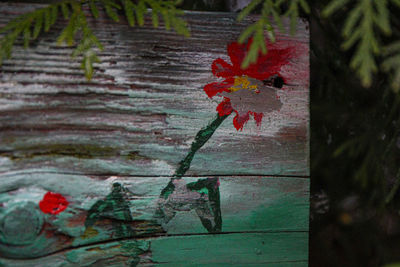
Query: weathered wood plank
x=107 y=149
x=145 y=105
x=241 y=249
x=250 y=204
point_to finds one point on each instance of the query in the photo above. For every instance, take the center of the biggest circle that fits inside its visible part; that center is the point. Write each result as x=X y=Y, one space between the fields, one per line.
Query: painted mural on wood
x=205 y=165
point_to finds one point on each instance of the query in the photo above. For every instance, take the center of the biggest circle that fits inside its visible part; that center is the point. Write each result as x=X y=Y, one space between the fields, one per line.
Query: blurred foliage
x=355 y=136
x=366 y=24
x=30 y=25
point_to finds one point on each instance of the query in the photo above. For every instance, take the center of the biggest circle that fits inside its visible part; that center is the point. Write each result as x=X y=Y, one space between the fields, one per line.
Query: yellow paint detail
x=89 y=232
x=242 y=82
x=96 y=249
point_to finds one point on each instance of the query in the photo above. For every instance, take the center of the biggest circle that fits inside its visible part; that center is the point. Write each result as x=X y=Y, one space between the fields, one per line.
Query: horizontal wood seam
x=164 y=176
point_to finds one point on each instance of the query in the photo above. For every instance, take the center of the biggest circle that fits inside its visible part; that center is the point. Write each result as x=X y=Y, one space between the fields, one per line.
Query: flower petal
x=221 y=68
x=212 y=89
x=237 y=52
x=258 y=117
x=225 y=107
x=240 y=119
x=271 y=63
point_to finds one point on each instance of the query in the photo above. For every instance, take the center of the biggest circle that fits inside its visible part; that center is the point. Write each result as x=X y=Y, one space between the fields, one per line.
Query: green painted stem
x=210 y=184
x=201 y=138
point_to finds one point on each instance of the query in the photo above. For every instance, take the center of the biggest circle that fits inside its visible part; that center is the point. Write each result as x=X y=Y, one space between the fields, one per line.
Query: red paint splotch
x=53 y=203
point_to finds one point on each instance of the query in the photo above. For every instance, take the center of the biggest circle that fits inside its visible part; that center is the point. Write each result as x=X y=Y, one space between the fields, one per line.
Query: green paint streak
x=211 y=186
x=201 y=138
x=135 y=248
x=113 y=207
x=168 y=190
x=82 y=151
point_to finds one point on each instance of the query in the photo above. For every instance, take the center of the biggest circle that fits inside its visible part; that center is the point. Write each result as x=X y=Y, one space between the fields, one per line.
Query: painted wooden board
x=86 y=166
x=145 y=105
x=261 y=249
x=251 y=204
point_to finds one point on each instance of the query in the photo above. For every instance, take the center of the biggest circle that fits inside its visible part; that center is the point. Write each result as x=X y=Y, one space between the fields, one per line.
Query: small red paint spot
x=53 y=203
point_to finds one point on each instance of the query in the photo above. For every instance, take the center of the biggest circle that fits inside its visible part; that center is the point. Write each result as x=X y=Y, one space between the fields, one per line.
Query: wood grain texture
x=144 y=105
x=110 y=146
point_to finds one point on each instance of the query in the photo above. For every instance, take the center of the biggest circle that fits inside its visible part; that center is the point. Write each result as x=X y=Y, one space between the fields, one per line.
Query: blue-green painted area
x=279 y=214
x=228 y=249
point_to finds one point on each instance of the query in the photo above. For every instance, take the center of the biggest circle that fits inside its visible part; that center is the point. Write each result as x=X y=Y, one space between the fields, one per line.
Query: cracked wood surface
x=110 y=144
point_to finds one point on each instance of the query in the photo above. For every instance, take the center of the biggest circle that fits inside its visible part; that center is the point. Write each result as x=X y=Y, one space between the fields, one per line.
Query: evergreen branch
x=246 y=11
x=88 y=41
x=65 y=10
x=40 y=20
x=166 y=9
x=391 y=63
x=255 y=31
x=362 y=25
x=109 y=7
x=334 y=6
x=31 y=25
x=360 y=148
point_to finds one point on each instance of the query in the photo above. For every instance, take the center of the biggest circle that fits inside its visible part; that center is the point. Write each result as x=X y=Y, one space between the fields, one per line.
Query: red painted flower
x=53 y=203
x=245 y=91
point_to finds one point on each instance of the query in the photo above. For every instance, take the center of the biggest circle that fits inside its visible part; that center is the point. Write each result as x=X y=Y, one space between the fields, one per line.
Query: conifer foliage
x=274 y=9
x=78 y=33
x=366 y=24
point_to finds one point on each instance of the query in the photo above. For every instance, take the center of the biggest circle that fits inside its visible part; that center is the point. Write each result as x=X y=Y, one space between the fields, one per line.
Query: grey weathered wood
x=144 y=105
